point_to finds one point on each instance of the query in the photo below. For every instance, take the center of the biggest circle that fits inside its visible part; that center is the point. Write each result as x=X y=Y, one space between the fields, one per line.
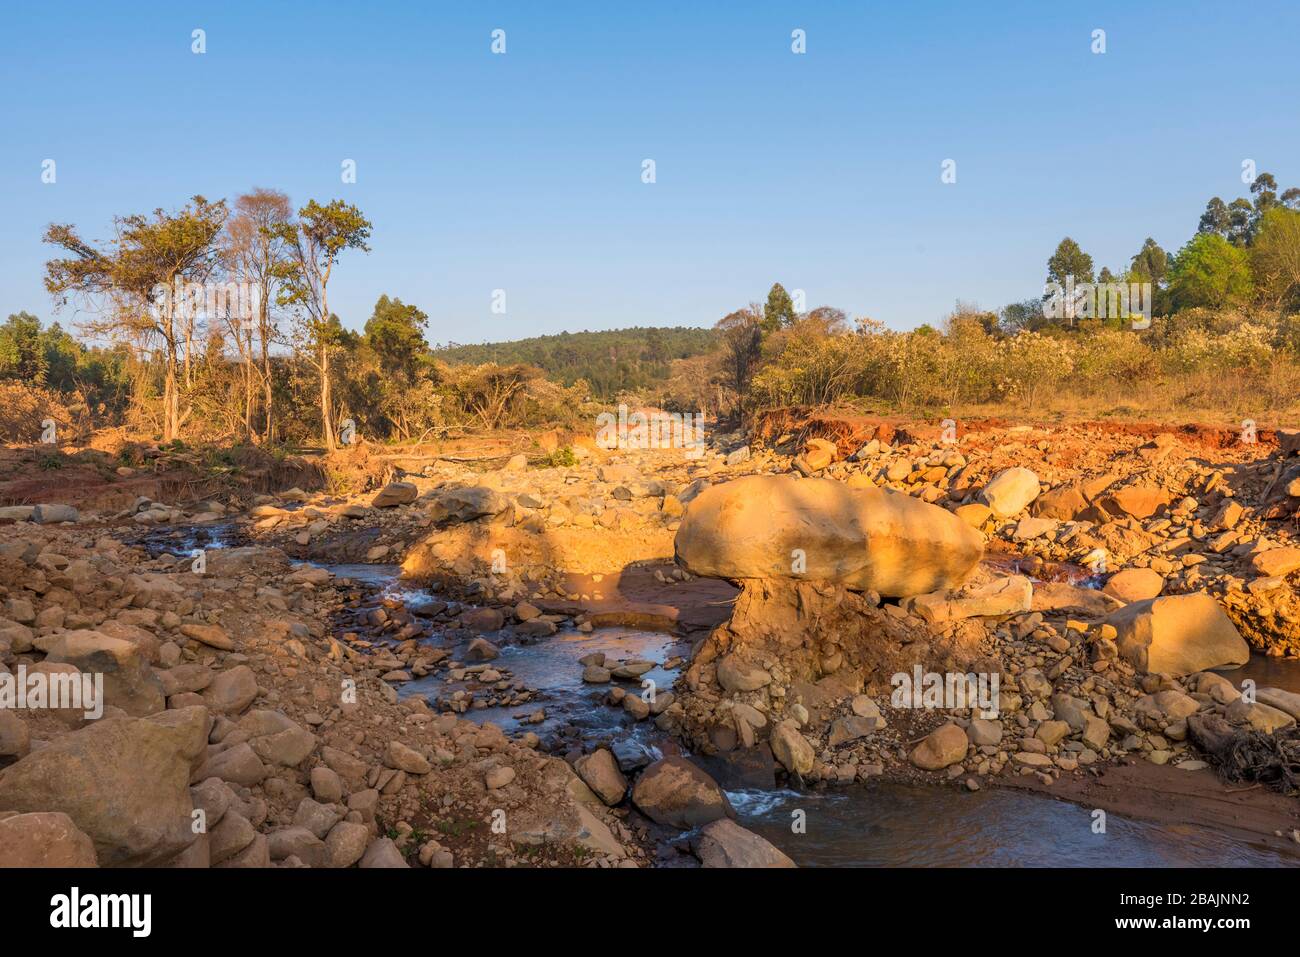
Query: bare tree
x=257 y=252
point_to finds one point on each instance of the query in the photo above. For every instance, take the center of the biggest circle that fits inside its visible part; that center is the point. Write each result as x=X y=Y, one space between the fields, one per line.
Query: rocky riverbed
x=582 y=665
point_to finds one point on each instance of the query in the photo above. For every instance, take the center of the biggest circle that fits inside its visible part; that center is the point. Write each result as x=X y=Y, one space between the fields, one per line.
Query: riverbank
x=507 y=666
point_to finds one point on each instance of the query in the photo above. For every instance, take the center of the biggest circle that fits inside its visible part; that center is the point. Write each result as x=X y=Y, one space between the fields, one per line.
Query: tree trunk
x=170 y=403
x=269 y=425
x=327 y=424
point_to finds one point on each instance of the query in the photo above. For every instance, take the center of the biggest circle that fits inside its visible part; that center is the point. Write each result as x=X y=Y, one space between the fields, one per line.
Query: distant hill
x=610 y=361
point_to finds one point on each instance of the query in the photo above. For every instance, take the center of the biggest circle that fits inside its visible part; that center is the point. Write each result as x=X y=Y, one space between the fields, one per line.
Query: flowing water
x=879 y=825
x=894 y=825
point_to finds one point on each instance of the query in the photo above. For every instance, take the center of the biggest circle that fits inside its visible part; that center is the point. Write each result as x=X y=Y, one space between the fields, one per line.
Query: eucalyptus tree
x=136 y=281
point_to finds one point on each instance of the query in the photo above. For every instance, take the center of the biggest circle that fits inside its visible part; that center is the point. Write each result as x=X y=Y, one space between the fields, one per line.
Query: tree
x=1209 y=271
x=1238 y=221
x=1069 y=260
x=135 y=278
x=742 y=343
x=1150 y=264
x=22 y=353
x=779 y=310
x=315 y=243
x=1023 y=316
x=256 y=248
x=395 y=333
x=1275 y=258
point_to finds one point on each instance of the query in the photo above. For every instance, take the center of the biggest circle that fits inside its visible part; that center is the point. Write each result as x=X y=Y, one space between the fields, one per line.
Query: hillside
x=611 y=360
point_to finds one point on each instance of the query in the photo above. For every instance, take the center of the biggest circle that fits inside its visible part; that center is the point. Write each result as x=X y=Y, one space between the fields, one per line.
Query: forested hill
x=610 y=361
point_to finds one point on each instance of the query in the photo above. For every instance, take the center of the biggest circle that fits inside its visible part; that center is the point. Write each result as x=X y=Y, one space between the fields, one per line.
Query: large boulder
x=674 y=791
x=943 y=746
x=1010 y=492
x=775 y=526
x=395 y=493
x=600 y=772
x=125 y=782
x=724 y=843
x=467 y=504
x=1178 y=635
x=129 y=682
x=1135 y=584
x=792 y=749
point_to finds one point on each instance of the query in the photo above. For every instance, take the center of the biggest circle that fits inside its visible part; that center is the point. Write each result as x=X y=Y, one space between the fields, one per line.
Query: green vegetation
x=1224 y=330
x=612 y=362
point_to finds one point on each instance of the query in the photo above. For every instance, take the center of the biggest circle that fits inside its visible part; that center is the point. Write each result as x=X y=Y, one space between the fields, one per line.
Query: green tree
x=1275 y=258
x=1151 y=263
x=135 y=277
x=1209 y=271
x=315 y=242
x=1069 y=260
x=22 y=351
x=395 y=333
x=779 y=310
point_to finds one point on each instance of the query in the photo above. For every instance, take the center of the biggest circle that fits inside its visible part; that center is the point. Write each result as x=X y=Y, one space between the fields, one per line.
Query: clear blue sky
x=523 y=171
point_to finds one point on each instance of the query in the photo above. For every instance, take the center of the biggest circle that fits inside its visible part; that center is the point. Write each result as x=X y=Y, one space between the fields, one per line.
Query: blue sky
x=522 y=172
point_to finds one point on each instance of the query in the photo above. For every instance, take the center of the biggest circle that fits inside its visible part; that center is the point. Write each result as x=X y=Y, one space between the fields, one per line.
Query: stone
x=299 y=842
x=1135 y=584
x=819 y=453
x=1261 y=717
x=1010 y=492
x=467 y=504
x=1167 y=705
x=346 y=843
x=974 y=514
x=724 y=843
x=483 y=620
x=601 y=773
x=944 y=746
x=382 y=852
x=15 y=736
x=776 y=526
x=44 y=839
x=214 y=636
x=480 y=649
x=1178 y=635
x=984 y=732
x=851 y=728
x=499 y=777
x=736 y=675
x=791 y=748
x=395 y=493
x=405 y=758
x=1288 y=702
x=1052 y=733
x=52 y=514
x=231 y=835
x=1063 y=503
x=1276 y=562
x=1136 y=501
x=231 y=692
x=675 y=792
x=237 y=765
x=125 y=782
x=129 y=683
x=256 y=855
x=326 y=785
